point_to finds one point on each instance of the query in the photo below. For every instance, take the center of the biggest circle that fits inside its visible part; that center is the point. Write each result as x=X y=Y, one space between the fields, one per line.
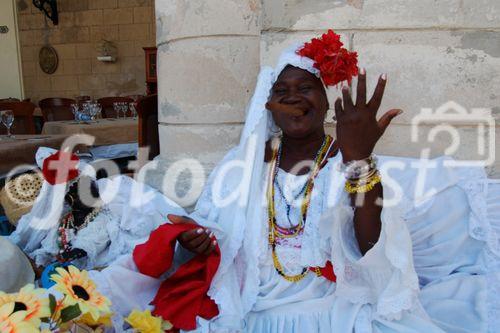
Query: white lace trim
x=484 y=225
x=384 y=276
x=290 y=57
x=315 y=252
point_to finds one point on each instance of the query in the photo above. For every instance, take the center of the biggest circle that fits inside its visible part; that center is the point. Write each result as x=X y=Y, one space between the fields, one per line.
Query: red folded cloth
x=183 y=295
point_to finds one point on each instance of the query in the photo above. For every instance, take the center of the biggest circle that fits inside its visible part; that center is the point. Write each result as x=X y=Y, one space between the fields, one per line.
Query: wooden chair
x=56 y=108
x=9 y=99
x=23 y=117
x=107 y=105
x=82 y=99
x=147 y=108
x=136 y=98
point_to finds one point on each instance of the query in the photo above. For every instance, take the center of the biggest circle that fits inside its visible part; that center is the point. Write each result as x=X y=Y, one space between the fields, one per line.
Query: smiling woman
x=310 y=243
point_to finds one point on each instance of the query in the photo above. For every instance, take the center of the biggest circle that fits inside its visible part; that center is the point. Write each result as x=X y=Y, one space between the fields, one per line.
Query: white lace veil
x=236 y=218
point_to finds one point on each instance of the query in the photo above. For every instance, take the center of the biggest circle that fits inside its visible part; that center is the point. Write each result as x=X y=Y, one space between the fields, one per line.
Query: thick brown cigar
x=291 y=110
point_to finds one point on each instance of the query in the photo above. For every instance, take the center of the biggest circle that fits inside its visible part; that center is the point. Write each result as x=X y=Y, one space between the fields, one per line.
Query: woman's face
x=299 y=88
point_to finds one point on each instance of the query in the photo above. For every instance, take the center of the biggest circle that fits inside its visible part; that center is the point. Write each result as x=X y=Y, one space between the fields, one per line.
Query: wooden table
x=107 y=131
x=22 y=149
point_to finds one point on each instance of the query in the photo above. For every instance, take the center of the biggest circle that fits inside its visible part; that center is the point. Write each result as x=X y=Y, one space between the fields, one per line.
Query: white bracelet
x=354 y=169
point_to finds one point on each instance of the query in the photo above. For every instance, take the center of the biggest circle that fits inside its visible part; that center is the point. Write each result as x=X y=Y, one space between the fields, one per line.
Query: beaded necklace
x=275 y=231
x=66 y=227
x=280 y=190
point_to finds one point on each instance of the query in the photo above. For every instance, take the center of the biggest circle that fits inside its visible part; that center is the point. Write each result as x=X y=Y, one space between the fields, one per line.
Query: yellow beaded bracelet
x=363 y=187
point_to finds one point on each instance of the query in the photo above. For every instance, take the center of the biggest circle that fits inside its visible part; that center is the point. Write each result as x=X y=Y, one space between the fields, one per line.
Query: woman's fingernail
x=384 y=76
x=362 y=71
x=400 y=111
x=199 y=231
x=214 y=242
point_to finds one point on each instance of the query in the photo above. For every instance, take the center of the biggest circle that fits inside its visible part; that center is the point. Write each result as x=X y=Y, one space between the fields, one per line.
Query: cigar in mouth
x=289 y=109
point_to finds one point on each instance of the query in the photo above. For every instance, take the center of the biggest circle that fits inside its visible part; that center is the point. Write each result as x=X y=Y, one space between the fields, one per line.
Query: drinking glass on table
x=92 y=110
x=98 y=109
x=7 y=117
x=133 y=109
x=117 y=109
x=75 y=109
x=86 y=113
x=124 y=109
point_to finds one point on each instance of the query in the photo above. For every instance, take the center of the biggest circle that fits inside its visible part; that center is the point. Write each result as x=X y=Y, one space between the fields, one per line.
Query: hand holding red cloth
x=182 y=296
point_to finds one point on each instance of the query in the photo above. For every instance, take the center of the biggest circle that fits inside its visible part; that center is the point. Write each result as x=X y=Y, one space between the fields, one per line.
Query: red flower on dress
x=334 y=62
x=60 y=167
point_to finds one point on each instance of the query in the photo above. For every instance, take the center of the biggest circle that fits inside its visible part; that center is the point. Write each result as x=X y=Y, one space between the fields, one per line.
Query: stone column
x=208 y=61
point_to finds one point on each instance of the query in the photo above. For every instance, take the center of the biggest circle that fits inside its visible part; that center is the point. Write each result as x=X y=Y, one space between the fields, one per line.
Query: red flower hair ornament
x=60 y=167
x=334 y=62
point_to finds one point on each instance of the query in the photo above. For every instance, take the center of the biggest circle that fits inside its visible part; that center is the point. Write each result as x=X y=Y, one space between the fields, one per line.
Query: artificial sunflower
x=104 y=320
x=31 y=300
x=79 y=289
x=14 y=322
x=145 y=322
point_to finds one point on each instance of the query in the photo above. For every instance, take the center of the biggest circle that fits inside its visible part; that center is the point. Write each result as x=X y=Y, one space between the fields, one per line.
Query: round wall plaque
x=48 y=60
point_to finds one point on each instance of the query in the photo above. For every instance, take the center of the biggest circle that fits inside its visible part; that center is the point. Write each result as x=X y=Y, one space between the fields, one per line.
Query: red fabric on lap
x=183 y=295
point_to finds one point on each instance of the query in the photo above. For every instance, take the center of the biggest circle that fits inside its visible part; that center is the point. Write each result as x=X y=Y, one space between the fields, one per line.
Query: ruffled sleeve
x=384 y=277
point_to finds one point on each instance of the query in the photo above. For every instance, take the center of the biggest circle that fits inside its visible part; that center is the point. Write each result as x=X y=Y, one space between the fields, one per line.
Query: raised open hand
x=357 y=127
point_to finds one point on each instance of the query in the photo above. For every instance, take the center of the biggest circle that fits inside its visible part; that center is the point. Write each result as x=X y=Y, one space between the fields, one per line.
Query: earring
x=68 y=197
x=275 y=130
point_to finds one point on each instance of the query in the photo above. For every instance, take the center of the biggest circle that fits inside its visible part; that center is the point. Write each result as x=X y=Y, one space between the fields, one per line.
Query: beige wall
x=433 y=52
x=129 y=24
x=10 y=81
x=210 y=52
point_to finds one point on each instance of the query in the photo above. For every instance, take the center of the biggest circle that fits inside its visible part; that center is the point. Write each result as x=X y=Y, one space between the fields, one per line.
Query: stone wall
x=433 y=52
x=83 y=24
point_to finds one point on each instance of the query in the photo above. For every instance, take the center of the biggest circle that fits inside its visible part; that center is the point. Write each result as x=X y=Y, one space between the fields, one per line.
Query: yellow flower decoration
x=31 y=300
x=87 y=319
x=79 y=289
x=14 y=322
x=145 y=322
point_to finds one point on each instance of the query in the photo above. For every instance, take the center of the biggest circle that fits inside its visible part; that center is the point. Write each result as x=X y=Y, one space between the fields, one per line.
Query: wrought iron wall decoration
x=49 y=7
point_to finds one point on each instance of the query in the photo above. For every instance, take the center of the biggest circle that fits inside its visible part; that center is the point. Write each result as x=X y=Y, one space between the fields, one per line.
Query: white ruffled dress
x=434 y=268
x=131 y=212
